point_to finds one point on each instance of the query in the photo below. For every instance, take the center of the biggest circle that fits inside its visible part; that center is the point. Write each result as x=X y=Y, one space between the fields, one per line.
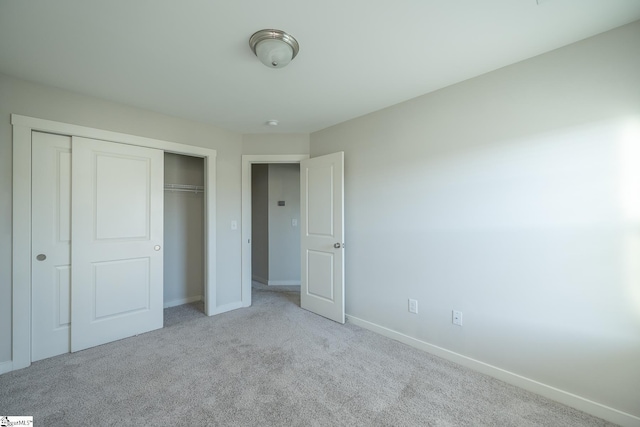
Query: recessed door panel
x=122 y=214
x=121 y=287
x=63 y=297
x=320 y=274
x=320 y=201
x=63 y=193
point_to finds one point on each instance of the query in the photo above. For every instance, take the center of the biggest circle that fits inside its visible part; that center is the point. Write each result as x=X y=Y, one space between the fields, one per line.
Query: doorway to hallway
x=275 y=218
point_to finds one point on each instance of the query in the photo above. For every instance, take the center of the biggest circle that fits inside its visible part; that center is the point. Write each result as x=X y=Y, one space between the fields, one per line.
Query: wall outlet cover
x=457 y=317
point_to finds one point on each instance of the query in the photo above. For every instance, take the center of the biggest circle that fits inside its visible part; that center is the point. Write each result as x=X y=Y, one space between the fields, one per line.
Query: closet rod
x=184 y=187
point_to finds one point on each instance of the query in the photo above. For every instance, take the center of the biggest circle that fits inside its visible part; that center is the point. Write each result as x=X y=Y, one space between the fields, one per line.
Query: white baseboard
x=227 y=307
x=6 y=367
x=564 y=397
x=284 y=283
x=182 y=301
x=275 y=282
x=260 y=279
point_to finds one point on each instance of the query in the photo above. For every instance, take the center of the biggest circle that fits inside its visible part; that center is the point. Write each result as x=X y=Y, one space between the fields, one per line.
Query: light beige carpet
x=273 y=364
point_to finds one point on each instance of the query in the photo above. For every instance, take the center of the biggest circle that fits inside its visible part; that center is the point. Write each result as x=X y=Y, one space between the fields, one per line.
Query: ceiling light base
x=274 y=48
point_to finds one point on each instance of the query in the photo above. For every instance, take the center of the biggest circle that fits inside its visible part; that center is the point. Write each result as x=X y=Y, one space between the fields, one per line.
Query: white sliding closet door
x=51 y=245
x=117 y=235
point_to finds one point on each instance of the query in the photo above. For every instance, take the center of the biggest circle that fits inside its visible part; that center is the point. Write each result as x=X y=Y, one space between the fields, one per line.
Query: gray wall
x=513 y=197
x=183 y=231
x=284 y=237
x=260 y=222
x=275 y=143
x=21 y=97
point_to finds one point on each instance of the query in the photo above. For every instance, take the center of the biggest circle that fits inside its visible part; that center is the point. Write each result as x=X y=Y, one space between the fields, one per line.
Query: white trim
x=564 y=397
x=247 y=161
x=6 y=367
x=283 y=282
x=21 y=225
x=275 y=282
x=259 y=279
x=21 y=249
x=68 y=129
x=228 y=307
x=182 y=301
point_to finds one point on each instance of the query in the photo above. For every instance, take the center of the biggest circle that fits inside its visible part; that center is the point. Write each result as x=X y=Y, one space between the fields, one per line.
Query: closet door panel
x=51 y=245
x=117 y=235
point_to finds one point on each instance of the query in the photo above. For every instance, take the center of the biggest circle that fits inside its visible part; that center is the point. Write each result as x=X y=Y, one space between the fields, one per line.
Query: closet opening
x=184 y=237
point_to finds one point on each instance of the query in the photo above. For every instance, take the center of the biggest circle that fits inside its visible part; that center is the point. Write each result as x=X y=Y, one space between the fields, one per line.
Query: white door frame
x=247 y=161
x=21 y=224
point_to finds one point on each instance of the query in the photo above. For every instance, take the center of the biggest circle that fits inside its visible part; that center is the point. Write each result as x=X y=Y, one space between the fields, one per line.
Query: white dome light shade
x=274 y=53
x=274 y=48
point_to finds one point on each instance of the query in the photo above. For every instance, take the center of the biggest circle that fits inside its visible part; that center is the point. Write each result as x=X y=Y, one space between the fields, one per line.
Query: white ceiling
x=191 y=58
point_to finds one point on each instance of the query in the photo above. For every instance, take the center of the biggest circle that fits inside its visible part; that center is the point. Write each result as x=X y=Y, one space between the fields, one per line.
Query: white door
x=322 y=221
x=51 y=245
x=117 y=235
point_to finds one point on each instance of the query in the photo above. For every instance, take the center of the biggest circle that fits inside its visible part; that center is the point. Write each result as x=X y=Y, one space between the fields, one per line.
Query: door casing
x=23 y=126
x=247 y=161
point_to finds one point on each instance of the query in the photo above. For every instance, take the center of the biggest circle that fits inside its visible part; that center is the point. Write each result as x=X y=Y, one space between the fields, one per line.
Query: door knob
x=41 y=257
x=156 y=248
x=336 y=245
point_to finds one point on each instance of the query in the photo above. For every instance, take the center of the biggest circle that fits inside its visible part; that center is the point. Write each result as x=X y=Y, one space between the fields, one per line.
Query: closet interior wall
x=183 y=229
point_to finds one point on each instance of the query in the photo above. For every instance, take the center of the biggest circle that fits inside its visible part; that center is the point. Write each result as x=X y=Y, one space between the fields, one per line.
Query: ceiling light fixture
x=272 y=123
x=274 y=48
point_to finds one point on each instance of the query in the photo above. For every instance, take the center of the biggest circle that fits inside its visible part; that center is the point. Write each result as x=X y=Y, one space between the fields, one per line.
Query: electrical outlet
x=457 y=318
x=413 y=306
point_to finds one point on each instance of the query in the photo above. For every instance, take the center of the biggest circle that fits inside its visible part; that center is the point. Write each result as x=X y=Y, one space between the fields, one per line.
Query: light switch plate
x=413 y=306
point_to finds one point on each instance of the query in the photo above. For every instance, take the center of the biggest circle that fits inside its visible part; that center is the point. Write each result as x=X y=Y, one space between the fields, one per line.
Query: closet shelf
x=184 y=188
